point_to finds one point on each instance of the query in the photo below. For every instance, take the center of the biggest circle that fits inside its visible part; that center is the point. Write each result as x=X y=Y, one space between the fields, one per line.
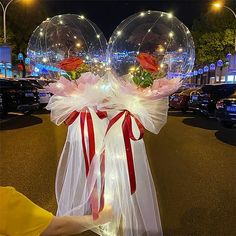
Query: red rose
x=148 y=62
x=70 y=64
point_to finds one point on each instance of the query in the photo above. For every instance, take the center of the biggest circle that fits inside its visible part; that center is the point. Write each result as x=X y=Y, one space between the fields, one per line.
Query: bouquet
x=107 y=109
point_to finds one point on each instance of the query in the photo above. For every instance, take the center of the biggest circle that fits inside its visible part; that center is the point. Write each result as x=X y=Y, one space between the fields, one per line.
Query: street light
x=4 y=9
x=219 y=5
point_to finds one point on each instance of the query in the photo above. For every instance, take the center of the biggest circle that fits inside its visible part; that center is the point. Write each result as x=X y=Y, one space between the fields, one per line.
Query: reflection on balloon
x=151 y=45
x=66 y=36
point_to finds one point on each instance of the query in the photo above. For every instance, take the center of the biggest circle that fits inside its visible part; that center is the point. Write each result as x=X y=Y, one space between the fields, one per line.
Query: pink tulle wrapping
x=161 y=88
x=164 y=87
x=65 y=87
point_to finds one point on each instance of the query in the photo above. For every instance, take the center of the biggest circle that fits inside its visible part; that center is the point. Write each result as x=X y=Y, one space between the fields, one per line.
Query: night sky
x=108 y=14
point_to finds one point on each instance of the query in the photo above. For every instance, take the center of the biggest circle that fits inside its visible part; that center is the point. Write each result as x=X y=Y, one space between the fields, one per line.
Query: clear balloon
x=67 y=36
x=150 y=45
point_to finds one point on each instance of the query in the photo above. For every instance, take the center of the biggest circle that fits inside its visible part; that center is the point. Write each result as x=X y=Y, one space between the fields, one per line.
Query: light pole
x=218 y=5
x=4 y=9
x=4 y=20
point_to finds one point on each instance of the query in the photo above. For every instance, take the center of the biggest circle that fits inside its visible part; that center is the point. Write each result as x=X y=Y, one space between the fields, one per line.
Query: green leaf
x=136 y=80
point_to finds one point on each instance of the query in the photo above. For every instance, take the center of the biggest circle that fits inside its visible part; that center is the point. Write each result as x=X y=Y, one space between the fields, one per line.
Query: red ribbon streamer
x=85 y=115
x=128 y=136
x=94 y=196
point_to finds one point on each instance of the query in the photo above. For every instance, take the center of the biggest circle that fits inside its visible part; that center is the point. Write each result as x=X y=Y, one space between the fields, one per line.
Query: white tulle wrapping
x=139 y=212
x=136 y=214
x=73 y=188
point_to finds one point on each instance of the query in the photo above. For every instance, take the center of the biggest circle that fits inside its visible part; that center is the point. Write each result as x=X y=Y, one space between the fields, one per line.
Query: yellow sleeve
x=23 y=217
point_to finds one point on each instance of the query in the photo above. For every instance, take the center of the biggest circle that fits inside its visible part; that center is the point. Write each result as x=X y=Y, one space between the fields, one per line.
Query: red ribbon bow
x=85 y=115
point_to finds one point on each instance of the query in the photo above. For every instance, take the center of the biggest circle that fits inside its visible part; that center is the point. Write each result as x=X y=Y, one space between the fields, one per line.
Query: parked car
x=226 y=110
x=179 y=101
x=44 y=95
x=204 y=100
x=17 y=96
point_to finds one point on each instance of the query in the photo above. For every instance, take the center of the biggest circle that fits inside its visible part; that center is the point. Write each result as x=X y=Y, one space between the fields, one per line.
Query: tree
x=214 y=36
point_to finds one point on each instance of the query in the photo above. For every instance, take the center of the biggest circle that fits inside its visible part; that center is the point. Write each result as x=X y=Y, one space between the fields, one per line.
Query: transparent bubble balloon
x=66 y=36
x=154 y=40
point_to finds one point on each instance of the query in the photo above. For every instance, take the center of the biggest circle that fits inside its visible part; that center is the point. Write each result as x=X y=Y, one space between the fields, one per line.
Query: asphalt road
x=193 y=161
